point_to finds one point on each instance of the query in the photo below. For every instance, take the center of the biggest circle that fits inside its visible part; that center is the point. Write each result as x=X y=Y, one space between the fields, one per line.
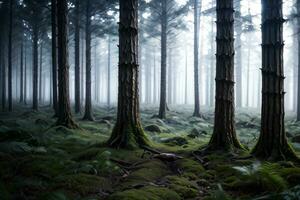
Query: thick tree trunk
x=128 y=132
x=196 y=59
x=35 y=68
x=77 y=57
x=54 y=54
x=108 y=72
x=224 y=134
x=238 y=47
x=298 y=77
x=272 y=143
x=10 y=35
x=88 y=78
x=64 y=115
x=22 y=73
x=163 y=80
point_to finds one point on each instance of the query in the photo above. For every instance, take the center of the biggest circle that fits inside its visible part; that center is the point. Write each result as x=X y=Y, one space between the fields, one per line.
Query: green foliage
x=182 y=186
x=218 y=194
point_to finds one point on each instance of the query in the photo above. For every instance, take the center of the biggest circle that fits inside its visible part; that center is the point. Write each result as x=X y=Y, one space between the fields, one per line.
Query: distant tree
x=77 y=56
x=128 y=132
x=3 y=34
x=10 y=41
x=165 y=20
x=197 y=11
x=224 y=134
x=272 y=143
x=64 y=115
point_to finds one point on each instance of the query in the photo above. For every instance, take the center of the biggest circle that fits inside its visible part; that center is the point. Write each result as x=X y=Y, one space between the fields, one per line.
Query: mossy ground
x=40 y=161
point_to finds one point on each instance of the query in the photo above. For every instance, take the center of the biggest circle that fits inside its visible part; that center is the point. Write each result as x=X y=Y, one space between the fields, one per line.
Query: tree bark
x=163 y=80
x=54 y=54
x=224 y=134
x=25 y=74
x=10 y=35
x=196 y=59
x=65 y=115
x=88 y=79
x=272 y=143
x=35 y=68
x=41 y=73
x=298 y=74
x=3 y=71
x=128 y=132
x=238 y=47
x=77 y=57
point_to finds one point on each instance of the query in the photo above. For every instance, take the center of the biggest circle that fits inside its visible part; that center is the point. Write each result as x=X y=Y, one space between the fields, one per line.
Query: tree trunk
x=212 y=65
x=35 y=68
x=3 y=71
x=54 y=54
x=65 y=115
x=272 y=143
x=108 y=72
x=224 y=134
x=77 y=57
x=88 y=81
x=298 y=35
x=128 y=132
x=41 y=73
x=25 y=74
x=22 y=73
x=238 y=47
x=163 y=81
x=154 y=79
x=248 y=72
x=10 y=35
x=196 y=59
x=170 y=77
x=186 y=79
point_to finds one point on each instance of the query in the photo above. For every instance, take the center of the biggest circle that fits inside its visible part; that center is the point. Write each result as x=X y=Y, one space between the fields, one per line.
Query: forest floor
x=39 y=161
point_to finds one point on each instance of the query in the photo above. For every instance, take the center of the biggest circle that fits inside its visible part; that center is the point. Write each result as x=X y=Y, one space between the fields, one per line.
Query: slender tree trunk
x=10 y=35
x=128 y=132
x=170 y=77
x=224 y=134
x=35 y=68
x=238 y=24
x=41 y=73
x=82 y=70
x=22 y=73
x=248 y=73
x=108 y=72
x=272 y=143
x=296 y=54
x=140 y=59
x=77 y=57
x=212 y=65
x=196 y=59
x=186 y=79
x=25 y=74
x=54 y=54
x=88 y=82
x=3 y=72
x=155 y=78
x=65 y=115
x=163 y=80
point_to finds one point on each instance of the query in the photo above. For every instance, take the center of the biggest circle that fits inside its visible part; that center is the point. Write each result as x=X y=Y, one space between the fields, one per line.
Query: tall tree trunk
x=22 y=73
x=108 y=72
x=248 y=72
x=77 y=57
x=238 y=47
x=54 y=54
x=35 y=68
x=186 y=79
x=224 y=134
x=170 y=77
x=41 y=73
x=25 y=74
x=82 y=69
x=154 y=78
x=65 y=115
x=163 y=80
x=10 y=35
x=128 y=132
x=298 y=77
x=196 y=59
x=272 y=143
x=88 y=82
x=212 y=64
x=3 y=71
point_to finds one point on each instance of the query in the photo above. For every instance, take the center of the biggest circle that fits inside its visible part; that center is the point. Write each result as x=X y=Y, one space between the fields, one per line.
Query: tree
x=10 y=35
x=239 y=30
x=54 y=54
x=224 y=134
x=88 y=80
x=272 y=143
x=197 y=10
x=64 y=115
x=128 y=132
x=77 y=56
x=298 y=25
